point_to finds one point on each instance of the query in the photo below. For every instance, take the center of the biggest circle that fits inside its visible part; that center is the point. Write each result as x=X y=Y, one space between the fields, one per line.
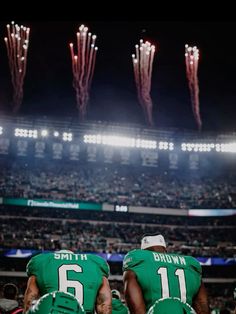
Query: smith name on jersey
x=79 y=274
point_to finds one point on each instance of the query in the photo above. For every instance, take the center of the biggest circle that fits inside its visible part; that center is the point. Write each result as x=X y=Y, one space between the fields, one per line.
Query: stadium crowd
x=118 y=237
x=131 y=185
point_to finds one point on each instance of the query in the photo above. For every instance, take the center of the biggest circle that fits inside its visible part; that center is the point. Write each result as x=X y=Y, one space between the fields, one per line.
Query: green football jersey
x=162 y=275
x=79 y=274
x=118 y=307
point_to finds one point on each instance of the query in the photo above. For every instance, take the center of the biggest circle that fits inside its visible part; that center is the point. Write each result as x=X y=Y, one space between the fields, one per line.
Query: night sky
x=48 y=87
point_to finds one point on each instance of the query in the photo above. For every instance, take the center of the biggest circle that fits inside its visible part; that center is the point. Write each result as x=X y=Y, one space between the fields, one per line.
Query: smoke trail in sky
x=83 y=64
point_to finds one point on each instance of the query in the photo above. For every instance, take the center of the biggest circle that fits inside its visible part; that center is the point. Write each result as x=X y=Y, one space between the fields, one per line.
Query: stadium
x=56 y=186
x=98 y=186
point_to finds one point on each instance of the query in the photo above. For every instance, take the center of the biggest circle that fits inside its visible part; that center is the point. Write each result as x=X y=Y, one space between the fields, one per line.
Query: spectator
x=9 y=303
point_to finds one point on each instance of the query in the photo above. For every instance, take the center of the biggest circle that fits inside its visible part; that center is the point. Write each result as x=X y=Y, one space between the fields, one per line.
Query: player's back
x=79 y=274
x=163 y=275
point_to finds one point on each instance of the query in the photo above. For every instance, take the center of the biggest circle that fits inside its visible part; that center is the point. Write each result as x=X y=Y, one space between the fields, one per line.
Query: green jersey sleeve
x=32 y=266
x=103 y=265
x=193 y=263
x=132 y=259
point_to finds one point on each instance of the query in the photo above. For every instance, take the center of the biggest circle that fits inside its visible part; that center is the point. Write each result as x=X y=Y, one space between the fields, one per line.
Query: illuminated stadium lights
x=1 y=130
x=56 y=134
x=146 y=144
x=67 y=137
x=208 y=147
x=44 y=133
x=218 y=147
x=93 y=139
x=166 y=146
x=197 y=147
x=226 y=147
x=26 y=133
x=120 y=141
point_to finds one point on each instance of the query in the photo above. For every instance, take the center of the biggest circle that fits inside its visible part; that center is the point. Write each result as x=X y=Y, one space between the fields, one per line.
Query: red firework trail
x=142 y=63
x=83 y=64
x=191 y=61
x=17 y=43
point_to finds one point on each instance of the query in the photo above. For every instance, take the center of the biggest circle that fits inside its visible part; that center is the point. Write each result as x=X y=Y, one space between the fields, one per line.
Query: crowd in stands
x=117 y=237
x=131 y=185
